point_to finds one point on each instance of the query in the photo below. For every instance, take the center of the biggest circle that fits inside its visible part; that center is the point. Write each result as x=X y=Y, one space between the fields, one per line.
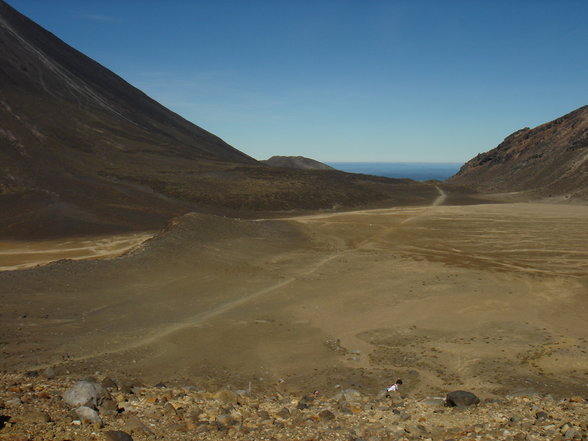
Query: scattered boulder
x=50 y=373
x=169 y=410
x=263 y=415
x=284 y=413
x=571 y=433
x=305 y=402
x=117 y=435
x=461 y=398
x=89 y=415
x=84 y=393
x=326 y=415
x=274 y=416
x=108 y=406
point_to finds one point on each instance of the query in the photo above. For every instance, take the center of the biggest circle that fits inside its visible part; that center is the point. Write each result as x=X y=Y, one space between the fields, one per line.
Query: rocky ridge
x=299 y=162
x=45 y=407
x=550 y=160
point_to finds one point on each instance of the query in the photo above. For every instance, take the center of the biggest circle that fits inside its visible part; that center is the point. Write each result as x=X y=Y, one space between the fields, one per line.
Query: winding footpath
x=202 y=317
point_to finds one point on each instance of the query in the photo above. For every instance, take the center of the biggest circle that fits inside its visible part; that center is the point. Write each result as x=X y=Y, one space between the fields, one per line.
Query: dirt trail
x=441 y=198
x=201 y=318
x=197 y=319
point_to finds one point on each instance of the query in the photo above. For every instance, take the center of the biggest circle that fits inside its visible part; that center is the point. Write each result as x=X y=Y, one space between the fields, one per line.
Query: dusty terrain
x=489 y=298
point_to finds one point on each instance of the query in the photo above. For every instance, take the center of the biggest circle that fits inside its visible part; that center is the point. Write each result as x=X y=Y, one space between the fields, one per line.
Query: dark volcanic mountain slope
x=77 y=141
x=299 y=162
x=549 y=160
x=37 y=63
x=82 y=151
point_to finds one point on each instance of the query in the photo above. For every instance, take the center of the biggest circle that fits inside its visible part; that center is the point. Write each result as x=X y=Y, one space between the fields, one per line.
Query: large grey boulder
x=84 y=393
x=461 y=398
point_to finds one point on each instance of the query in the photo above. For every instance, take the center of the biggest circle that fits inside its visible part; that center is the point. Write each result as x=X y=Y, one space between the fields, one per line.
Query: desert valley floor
x=490 y=298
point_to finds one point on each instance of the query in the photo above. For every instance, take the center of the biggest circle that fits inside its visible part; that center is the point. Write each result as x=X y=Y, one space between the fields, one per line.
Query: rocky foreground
x=43 y=407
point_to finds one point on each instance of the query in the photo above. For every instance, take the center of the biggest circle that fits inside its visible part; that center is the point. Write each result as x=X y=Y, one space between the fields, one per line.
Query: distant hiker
x=395 y=387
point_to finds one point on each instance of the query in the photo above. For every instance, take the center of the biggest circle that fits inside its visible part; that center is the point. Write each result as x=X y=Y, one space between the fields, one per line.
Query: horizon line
x=394 y=162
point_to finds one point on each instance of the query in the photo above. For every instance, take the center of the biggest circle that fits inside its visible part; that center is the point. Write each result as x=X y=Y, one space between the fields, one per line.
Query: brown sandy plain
x=491 y=298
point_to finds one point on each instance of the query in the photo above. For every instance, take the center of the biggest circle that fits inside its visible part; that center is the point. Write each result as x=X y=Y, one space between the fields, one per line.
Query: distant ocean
x=418 y=171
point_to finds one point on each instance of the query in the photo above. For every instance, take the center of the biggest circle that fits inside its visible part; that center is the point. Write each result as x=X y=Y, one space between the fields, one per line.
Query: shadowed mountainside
x=82 y=151
x=549 y=160
x=296 y=162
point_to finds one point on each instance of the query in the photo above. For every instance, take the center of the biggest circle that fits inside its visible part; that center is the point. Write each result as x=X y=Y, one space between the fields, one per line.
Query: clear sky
x=342 y=80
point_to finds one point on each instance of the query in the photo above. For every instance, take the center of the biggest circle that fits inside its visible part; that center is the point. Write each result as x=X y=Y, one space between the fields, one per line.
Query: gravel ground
x=36 y=408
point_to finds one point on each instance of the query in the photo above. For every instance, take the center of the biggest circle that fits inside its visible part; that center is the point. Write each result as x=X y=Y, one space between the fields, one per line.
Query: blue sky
x=338 y=80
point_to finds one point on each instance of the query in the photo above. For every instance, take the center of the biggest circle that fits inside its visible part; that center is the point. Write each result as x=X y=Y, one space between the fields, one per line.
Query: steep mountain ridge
x=549 y=160
x=84 y=152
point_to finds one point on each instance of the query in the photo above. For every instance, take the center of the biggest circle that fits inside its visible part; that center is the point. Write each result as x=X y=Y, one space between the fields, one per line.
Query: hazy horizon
x=393 y=162
x=418 y=171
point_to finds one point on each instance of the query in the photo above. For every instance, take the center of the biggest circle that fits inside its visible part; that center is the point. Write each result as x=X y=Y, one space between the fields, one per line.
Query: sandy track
x=441 y=198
